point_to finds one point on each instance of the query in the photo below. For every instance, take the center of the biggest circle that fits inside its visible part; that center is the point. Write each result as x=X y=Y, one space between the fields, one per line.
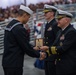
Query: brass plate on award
x=39 y=42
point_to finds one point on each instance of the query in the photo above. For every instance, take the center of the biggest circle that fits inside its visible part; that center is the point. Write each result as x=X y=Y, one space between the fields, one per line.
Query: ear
x=52 y=13
x=24 y=15
x=66 y=20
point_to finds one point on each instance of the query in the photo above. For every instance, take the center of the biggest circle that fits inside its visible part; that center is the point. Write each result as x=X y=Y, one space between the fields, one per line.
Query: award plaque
x=39 y=42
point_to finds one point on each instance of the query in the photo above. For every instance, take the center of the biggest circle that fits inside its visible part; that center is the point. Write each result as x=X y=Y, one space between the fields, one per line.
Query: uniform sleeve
x=20 y=35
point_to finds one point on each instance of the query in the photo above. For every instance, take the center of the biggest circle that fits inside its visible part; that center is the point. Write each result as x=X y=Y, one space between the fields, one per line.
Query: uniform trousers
x=67 y=74
x=50 y=68
x=13 y=71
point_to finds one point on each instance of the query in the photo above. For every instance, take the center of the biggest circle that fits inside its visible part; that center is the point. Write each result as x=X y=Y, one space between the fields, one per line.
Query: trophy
x=39 y=42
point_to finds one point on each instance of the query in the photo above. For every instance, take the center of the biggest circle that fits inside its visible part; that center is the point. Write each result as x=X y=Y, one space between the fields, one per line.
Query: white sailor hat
x=62 y=14
x=26 y=9
x=48 y=8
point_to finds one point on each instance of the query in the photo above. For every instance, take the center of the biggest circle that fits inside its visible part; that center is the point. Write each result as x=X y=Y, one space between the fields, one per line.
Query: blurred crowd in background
x=12 y=12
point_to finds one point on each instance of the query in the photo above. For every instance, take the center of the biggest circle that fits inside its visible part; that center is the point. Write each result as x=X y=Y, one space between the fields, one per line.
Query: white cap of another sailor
x=26 y=9
x=48 y=8
x=64 y=13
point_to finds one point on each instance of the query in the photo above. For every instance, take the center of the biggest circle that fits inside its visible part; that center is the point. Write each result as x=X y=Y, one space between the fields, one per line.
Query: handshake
x=43 y=49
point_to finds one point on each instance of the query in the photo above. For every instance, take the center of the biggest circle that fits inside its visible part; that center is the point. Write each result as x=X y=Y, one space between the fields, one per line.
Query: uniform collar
x=50 y=20
x=65 y=28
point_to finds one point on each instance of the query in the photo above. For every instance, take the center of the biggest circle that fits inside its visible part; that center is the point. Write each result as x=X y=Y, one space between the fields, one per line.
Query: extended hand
x=42 y=55
x=36 y=48
x=44 y=48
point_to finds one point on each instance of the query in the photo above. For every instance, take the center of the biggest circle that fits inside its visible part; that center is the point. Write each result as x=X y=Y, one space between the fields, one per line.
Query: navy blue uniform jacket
x=16 y=44
x=66 y=51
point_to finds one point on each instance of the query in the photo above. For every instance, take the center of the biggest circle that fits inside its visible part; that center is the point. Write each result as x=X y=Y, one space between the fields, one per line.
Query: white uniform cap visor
x=49 y=7
x=61 y=12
